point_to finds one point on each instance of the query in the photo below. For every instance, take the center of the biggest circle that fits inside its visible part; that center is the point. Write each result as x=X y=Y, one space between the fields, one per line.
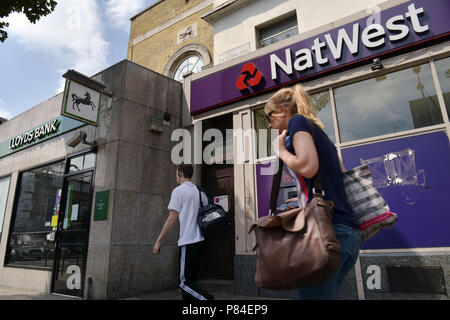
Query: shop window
x=82 y=163
x=443 y=70
x=388 y=104
x=4 y=187
x=321 y=103
x=38 y=197
x=278 y=31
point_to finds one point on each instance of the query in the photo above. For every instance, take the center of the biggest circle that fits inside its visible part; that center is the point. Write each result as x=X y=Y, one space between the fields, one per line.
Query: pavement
x=16 y=294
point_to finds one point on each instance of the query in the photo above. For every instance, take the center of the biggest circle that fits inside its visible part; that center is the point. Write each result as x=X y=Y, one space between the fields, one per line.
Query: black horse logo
x=86 y=100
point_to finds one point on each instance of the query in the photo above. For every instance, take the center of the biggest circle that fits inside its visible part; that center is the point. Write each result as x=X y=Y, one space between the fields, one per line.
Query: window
x=390 y=103
x=322 y=104
x=443 y=71
x=82 y=163
x=263 y=135
x=192 y=64
x=38 y=199
x=4 y=187
x=278 y=31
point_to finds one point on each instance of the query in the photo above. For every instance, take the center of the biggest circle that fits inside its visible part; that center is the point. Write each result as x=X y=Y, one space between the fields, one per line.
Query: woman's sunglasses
x=268 y=115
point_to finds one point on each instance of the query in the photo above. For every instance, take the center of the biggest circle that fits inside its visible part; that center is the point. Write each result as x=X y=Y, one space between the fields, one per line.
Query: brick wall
x=155 y=51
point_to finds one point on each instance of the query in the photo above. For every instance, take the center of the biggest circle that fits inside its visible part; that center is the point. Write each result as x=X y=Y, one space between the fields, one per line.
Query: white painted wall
x=237 y=29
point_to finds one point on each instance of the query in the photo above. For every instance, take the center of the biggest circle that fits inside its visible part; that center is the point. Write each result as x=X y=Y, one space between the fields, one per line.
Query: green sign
x=101 y=205
x=41 y=133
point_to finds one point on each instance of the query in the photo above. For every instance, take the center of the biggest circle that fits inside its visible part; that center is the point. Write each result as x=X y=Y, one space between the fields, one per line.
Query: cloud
x=119 y=12
x=72 y=36
x=4 y=113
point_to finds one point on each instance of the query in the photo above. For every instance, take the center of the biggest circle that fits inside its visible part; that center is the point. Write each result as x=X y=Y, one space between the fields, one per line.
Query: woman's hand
x=279 y=143
x=289 y=205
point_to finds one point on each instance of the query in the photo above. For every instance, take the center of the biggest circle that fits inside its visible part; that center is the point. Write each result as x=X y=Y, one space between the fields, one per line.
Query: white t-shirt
x=186 y=202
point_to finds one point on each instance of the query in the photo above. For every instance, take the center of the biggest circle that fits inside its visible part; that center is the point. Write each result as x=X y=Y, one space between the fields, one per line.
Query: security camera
x=376 y=64
x=76 y=139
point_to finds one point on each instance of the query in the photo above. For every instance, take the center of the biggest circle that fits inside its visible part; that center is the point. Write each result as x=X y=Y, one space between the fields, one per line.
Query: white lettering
x=352 y=45
x=47 y=128
x=304 y=60
x=275 y=61
x=413 y=14
x=53 y=125
x=193 y=310
x=181 y=153
x=213 y=152
x=375 y=16
x=374 y=281
x=402 y=28
x=243 y=152
x=372 y=36
x=317 y=48
x=74 y=281
x=372 y=32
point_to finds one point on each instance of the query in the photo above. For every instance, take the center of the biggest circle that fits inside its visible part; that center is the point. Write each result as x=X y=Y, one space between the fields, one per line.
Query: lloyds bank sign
x=34 y=135
x=39 y=134
x=408 y=26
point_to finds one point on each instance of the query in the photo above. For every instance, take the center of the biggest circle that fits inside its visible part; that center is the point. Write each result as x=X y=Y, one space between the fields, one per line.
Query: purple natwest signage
x=411 y=23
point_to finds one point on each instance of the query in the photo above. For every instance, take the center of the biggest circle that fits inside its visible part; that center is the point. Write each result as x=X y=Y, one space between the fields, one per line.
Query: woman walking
x=290 y=112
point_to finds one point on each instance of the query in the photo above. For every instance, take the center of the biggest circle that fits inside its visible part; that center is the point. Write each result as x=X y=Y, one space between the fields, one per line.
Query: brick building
x=171 y=36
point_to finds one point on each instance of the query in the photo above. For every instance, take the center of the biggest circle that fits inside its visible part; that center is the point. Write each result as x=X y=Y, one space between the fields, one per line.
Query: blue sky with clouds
x=85 y=35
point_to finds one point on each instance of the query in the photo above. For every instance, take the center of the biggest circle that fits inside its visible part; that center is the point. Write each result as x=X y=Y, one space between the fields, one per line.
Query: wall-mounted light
x=376 y=64
x=156 y=124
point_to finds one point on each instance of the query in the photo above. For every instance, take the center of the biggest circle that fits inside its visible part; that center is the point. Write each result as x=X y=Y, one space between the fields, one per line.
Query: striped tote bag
x=371 y=209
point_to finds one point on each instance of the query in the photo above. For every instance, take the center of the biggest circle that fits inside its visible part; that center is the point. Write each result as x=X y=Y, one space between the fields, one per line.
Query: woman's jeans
x=349 y=239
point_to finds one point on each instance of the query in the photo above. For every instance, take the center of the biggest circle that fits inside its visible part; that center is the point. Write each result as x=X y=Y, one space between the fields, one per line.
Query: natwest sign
x=409 y=24
x=250 y=76
x=371 y=37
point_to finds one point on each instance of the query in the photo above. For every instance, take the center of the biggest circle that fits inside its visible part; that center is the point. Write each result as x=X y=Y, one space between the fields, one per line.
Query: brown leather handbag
x=296 y=247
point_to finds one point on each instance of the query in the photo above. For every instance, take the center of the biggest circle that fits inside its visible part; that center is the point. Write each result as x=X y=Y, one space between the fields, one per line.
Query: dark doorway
x=73 y=232
x=218 y=181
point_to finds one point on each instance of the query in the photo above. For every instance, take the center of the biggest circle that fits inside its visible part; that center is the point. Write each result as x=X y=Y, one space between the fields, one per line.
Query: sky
x=85 y=35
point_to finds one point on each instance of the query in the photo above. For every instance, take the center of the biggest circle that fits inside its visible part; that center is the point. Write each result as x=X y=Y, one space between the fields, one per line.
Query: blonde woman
x=290 y=112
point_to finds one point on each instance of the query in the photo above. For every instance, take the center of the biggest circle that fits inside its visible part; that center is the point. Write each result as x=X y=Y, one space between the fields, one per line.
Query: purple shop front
x=414 y=185
x=411 y=173
x=402 y=27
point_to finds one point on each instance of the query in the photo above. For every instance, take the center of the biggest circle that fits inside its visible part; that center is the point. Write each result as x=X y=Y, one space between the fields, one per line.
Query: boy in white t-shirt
x=184 y=204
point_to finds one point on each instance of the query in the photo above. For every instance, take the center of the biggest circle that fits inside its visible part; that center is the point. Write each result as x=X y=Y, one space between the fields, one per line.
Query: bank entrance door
x=72 y=237
x=218 y=180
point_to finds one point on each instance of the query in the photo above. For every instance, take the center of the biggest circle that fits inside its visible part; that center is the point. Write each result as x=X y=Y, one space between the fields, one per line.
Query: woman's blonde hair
x=297 y=100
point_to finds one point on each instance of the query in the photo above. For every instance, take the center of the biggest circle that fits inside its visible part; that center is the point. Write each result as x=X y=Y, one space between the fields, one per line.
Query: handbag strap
x=317 y=180
x=276 y=187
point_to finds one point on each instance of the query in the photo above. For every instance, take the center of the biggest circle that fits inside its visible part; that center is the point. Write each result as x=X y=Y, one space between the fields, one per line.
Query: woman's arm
x=305 y=161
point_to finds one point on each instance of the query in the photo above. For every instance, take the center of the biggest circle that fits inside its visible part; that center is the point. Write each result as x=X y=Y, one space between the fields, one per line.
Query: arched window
x=193 y=63
x=191 y=58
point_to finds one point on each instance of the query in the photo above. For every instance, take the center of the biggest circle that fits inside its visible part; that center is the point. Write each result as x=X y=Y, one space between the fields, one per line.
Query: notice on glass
x=74 y=216
x=222 y=201
x=55 y=221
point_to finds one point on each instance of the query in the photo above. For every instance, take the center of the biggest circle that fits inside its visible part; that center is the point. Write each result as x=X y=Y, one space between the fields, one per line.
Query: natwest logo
x=250 y=77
